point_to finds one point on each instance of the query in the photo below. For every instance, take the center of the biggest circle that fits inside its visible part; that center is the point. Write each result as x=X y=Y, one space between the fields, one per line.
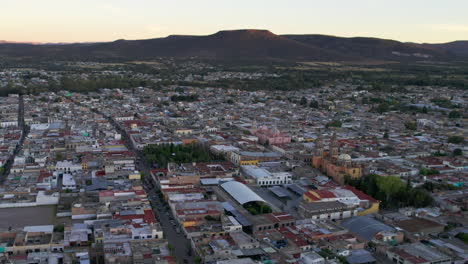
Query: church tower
x=254 y=125
x=319 y=146
x=334 y=146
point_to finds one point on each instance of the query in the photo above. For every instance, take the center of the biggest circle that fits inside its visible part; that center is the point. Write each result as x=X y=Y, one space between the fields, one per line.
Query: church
x=270 y=136
x=334 y=164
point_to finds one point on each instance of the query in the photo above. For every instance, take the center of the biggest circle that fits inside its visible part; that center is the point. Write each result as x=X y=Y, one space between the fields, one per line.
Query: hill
x=257 y=44
x=237 y=44
x=373 y=48
x=456 y=47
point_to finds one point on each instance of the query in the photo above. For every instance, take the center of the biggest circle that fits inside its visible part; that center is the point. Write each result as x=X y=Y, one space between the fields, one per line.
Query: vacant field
x=24 y=216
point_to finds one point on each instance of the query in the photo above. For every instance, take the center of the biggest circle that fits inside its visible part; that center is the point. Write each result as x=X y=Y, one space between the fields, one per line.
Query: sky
x=431 y=21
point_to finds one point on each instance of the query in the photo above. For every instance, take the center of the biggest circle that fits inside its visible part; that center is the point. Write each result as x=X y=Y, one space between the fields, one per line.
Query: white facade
x=19 y=160
x=312 y=258
x=230 y=224
x=68 y=182
x=44 y=199
x=9 y=123
x=67 y=166
x=265 y=178
x=124 y=118
x=335 y=215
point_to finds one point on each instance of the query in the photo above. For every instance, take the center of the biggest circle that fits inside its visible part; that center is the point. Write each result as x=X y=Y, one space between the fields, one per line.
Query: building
x=270 y=136
x=420 y=227
x=241 y=193
x=68 y=166
x=417 y=253
x=334 y=164
x=252 y=157
x=346 y=195
x=369 y=229
x=263 y=177
x=310 y=257
x=331 y=210
x=68 y=182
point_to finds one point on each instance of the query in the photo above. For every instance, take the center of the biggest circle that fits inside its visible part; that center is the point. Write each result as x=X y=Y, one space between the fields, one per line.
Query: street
x=24 y=133
x=182 y=247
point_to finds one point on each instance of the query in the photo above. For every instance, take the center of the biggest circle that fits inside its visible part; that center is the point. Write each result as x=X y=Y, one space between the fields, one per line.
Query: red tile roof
x=360 y=194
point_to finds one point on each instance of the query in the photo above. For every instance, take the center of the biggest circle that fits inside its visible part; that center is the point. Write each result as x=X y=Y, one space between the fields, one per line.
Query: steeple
x=319 y=145
x=254 y=125
x=334 y=146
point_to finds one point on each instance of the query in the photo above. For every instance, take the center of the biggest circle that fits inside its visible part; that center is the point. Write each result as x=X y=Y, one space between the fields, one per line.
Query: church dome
x=275 y=131
x=344 y=157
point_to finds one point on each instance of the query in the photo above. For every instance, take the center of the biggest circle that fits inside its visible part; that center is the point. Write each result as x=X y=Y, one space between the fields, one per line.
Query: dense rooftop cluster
x=179 y=174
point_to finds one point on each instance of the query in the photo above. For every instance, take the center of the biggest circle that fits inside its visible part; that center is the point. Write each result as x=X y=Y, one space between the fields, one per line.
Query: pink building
x=271 y=136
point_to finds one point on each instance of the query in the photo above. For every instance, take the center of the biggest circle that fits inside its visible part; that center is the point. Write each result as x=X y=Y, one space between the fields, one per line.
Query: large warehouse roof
x=366 y=226
x=241 y=193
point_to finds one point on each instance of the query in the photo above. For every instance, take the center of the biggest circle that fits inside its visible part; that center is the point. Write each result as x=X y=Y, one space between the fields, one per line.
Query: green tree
x=456 y=139
x=59 y=228
x=454 y=114
x=171 y=248
x=314 y=104
x=197 y=260
x=390 y=185
x=162 y=154
x=252 y=211
x=457 y=152
x=411 y=125
x=391 y=191
x=382 y=108
x=463 y=237
x=59 y=156
x=210 y=218
x=335 y=123
x=425 y=171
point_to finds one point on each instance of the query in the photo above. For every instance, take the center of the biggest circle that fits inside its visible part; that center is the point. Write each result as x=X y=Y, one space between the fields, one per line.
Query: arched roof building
x=241 y=193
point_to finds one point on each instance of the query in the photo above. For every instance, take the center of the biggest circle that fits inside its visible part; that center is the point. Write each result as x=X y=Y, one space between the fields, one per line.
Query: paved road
x=25 y=129
x=183 y=251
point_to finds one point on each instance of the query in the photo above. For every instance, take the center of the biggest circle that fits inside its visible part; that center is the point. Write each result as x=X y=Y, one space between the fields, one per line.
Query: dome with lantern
x=344 y=157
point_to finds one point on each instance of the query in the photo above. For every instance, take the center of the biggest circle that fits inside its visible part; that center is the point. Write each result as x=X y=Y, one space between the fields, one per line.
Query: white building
x=43 y=198
x=9 y=123
x=19 y=160
x=263 y=177
x=67 y=166
x=230 y=224
x=68 y=182
x=311 y=257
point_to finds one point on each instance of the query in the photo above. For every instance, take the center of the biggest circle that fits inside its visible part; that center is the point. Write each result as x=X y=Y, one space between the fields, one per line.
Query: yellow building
x=366 y=203
x=334 y=164
x=248 y=162
x=134 y=176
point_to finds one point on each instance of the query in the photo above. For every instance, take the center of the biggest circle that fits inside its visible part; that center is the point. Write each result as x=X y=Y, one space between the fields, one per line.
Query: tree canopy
x=391 y=191
x=161 y=155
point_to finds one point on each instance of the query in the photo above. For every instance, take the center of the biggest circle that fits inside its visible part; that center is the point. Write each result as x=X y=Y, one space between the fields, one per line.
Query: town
x=183 y=174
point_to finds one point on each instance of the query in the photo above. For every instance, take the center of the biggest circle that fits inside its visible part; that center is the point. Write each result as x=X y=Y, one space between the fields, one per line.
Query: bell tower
x=334 y=146
x=319 y=146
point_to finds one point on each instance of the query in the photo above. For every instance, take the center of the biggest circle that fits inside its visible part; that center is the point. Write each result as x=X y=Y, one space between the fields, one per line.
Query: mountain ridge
x=244 y=44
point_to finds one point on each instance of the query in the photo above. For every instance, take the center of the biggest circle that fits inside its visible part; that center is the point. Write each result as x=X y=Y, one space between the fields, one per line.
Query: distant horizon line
x=251 y=29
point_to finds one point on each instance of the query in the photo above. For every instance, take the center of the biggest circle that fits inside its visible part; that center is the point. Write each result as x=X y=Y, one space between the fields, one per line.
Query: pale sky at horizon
x=433 y=21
